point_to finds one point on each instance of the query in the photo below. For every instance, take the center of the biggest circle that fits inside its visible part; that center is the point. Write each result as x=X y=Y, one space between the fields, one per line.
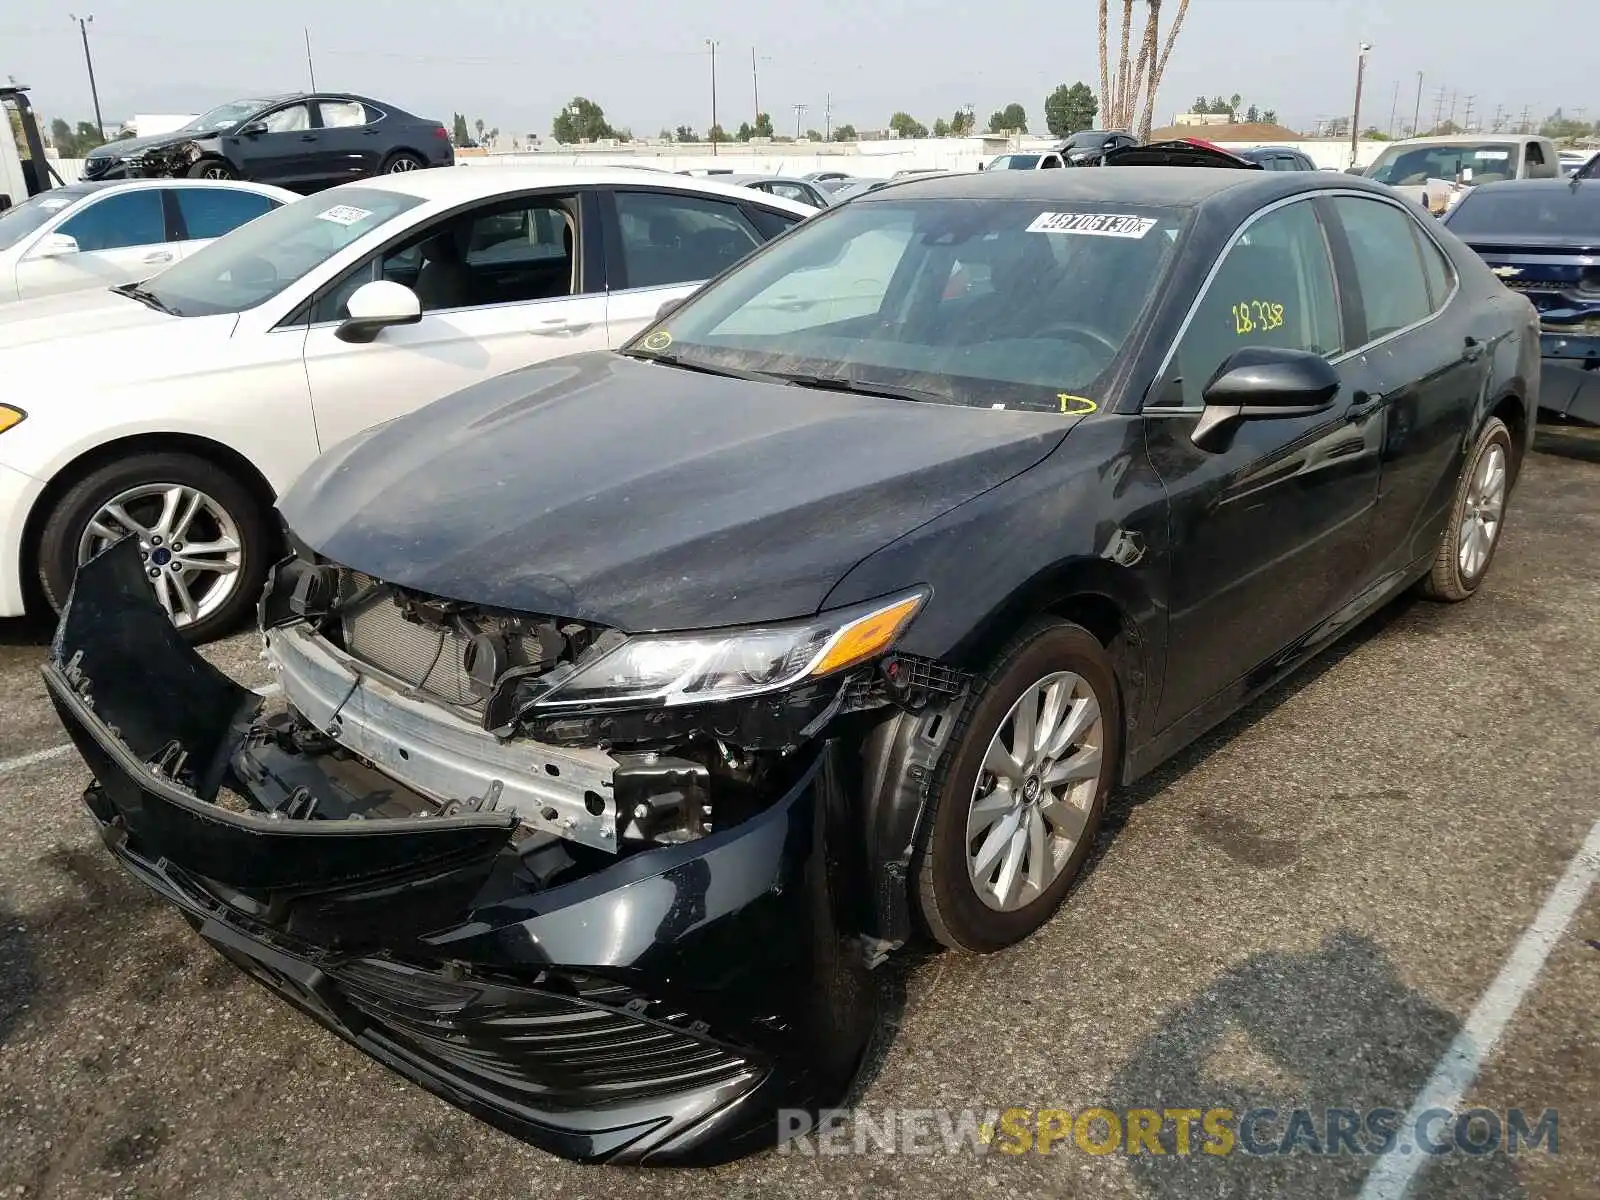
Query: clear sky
x=647 y=65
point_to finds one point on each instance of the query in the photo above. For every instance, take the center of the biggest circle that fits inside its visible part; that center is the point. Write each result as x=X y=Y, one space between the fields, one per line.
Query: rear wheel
x=401 y=161
x=211 y=168
x=202 y=535
x=1473 y=532
x=1021 y=789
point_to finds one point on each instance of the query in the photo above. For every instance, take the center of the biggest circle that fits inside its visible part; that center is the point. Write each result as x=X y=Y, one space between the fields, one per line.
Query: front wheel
x=1473 y=533
x=202 y=535
x=401 y=161
x=211 y=168
x=1020 y=791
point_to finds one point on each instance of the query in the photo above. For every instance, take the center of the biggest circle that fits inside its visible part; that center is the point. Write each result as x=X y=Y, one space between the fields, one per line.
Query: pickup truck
x=1436 y=171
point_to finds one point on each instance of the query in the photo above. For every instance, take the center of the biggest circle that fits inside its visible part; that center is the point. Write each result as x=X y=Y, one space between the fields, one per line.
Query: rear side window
x=343 y=114
x=212 y=212
x=1388 y=261
x=1535 y=155
x=771 y=223
x=129 y=219
x=1441 y=276
x=669 y=238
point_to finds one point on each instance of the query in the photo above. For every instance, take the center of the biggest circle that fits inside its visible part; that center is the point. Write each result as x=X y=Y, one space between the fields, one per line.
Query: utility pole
x=799 y=114
x=827 y=117
x=1394 y=109
x=713 y=132
x=1438 y=110
x=1526 y=111
x=1466 y=121
x=1499 y=118
x=310 y=70
x=755 y=84
x=83 y=28
x=1355 y=121
x=1416 y=119
x=1455 y=97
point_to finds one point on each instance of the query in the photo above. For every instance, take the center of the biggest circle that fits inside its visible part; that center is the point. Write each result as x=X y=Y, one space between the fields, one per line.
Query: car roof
x=459 y=183
x=1575 y=186
x=1164 y=186
x=761 y=179
x=89 y=187
x=1463 y=139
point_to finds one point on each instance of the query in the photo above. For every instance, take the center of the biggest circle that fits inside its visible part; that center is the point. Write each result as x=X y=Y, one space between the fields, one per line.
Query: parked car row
x=660 y=656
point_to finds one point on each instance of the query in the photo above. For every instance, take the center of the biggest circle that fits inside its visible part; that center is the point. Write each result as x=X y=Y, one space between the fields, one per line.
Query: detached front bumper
x=1570 y=374
x=658 y=1009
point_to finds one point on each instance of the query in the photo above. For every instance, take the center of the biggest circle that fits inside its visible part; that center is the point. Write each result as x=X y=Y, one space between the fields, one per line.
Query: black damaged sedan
x=638 y=705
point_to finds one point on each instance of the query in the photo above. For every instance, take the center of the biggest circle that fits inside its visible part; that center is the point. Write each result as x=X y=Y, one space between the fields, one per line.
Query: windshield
x=1085 y=139
x=224 y=116
x=259 y=259
x=18 y=222
x=1401 y=166
x=987 y=303
x=1563 y=212
x=1014 y=162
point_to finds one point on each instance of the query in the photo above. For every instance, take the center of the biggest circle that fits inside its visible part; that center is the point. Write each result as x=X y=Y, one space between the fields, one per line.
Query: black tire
x=68 y=520
x=1447 y=581
x=951 y=907
x=402 y=160
x=211 y=168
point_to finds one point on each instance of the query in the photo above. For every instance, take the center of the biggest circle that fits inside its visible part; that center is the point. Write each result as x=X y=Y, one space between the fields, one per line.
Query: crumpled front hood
x=130 y=146
x=642 y=496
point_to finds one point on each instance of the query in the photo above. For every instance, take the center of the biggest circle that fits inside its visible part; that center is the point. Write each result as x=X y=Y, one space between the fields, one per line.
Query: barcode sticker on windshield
x=1093 y=224
x=1494 y=154
x=344 y=214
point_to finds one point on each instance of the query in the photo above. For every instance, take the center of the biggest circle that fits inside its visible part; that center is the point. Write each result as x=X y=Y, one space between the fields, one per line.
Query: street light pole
x=1355 y=121
x=713 y=133
x=83 y=28
x=1416 y=120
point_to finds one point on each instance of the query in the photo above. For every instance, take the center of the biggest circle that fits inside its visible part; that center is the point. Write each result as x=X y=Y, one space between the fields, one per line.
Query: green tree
x=763 y=125
x=61 y=137
x=941 y=127
x=813 y=135
x=459 y=134
x=716 y=134
x=1201 y=107
x=743 y=133
x=1270 y=116
x=845 y=133
x=961 y=124
x=581 y=120
x=686 y=133
x=1069 y=109
x=1252 y=114
x=907 y=126
x=1013 y=118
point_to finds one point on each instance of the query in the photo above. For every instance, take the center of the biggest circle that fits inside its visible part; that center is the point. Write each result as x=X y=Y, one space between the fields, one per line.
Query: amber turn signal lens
x=868 y=635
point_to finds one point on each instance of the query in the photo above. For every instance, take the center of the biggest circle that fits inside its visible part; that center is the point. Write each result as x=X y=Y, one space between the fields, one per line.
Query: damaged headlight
x=674 y=669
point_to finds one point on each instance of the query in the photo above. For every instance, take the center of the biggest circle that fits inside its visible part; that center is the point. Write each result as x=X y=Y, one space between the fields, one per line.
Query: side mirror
x=253 y=129
x=375 y=306
x=670 y=307
x=54 y=245
x=1263 y=383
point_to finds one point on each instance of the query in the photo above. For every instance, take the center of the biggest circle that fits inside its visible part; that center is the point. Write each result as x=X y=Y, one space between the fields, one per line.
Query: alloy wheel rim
x=189 y=544
x=1035 y=791
x=215 y=173
x=1481 y=518
x=402 y=164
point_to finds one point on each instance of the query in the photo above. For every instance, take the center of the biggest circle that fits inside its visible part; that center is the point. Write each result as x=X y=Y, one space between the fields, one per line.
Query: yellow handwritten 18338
x=1257 y=315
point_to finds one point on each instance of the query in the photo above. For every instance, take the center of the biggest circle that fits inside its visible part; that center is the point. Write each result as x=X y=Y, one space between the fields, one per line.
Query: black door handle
x=1364 y=405
x=1473 y=351
x=308 y=137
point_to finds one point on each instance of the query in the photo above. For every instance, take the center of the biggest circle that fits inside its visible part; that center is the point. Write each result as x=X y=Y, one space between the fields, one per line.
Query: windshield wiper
x=149 y=299
x=835 y=383
x=677 y=360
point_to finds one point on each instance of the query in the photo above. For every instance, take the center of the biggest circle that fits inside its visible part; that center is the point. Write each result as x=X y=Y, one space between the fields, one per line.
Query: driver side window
x=291 y=118
x=1275 y=287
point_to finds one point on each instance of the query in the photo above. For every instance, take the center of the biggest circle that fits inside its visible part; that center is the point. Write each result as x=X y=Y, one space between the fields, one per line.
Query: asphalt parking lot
x=1302 y=911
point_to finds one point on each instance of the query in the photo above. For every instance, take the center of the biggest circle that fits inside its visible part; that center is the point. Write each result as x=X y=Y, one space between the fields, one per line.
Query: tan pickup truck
x=1436 y=171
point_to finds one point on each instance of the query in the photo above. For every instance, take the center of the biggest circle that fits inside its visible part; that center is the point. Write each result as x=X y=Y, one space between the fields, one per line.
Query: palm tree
x=1129 y=93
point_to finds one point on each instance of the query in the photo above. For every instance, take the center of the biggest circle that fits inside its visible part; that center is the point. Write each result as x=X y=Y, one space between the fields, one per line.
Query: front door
x=501 y=287
x=668 y=244
x=1270 y=531
x=286 y=152
x=350 y=146
x=122 y=238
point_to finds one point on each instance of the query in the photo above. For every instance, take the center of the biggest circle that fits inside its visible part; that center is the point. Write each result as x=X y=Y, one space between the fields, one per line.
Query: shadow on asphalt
x=1332 y=1029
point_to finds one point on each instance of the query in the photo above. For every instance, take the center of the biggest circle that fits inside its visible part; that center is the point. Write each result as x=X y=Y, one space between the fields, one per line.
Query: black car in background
x=303 y=141
x=1088 y=147
x=1542 y=238
x=641 y=703
x=1278 y=158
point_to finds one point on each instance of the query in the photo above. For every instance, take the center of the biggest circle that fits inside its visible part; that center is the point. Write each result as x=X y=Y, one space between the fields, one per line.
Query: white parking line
x=50 y=752
x=1489 y=1017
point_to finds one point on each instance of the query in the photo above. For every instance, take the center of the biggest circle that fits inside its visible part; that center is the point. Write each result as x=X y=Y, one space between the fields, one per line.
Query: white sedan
x=179 y=409
x=91 y=235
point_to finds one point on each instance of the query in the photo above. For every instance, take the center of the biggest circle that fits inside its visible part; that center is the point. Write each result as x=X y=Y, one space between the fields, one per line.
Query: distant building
x=1203 y=119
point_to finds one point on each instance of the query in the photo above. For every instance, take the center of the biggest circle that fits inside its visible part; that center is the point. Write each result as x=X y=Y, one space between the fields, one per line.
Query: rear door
x=122 y=237
x=1422 y=362
x=206 y=213
x=1269 y=531
x=661 y=245
x=351 y=145
x=502 y=284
